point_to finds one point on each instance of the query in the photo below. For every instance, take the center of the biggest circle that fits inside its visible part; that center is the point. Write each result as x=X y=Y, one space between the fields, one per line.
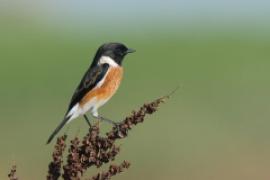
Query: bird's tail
x=59 y=127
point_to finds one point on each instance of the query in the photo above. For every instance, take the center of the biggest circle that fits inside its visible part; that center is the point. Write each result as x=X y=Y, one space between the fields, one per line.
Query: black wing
x=88 y=82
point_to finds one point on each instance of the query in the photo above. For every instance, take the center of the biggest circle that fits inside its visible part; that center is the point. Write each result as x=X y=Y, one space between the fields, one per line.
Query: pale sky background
x=140 y=11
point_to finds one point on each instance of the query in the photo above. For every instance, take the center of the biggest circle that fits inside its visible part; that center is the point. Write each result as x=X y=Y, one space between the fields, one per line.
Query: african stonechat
x=98 y=85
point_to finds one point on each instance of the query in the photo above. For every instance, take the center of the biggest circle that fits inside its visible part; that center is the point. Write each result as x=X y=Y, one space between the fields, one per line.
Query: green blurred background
x=216 y=126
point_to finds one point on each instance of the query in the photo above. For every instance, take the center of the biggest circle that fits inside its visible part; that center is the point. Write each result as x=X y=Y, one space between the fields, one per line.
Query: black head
x=116 y=51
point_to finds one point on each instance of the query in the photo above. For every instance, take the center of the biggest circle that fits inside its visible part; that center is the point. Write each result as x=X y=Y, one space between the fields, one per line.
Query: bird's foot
x=108 y=121
x=115 y=124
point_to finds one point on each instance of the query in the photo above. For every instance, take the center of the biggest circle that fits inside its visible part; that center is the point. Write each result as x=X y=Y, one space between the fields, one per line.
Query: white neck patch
x=108 y=60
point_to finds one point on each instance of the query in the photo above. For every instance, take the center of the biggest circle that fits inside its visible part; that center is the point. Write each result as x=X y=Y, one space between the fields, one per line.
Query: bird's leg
x=106 y=120
x=87 y=120
x=115 y=124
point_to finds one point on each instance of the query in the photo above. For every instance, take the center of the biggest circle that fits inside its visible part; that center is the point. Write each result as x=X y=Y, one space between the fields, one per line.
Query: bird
x=97 y=86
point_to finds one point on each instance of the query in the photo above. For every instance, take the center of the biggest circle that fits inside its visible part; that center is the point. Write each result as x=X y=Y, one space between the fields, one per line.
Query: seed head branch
x=96 y=150
x=12 y=175
x=55 y=166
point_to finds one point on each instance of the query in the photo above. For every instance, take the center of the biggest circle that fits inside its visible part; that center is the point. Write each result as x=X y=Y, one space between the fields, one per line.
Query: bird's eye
x=119 y=52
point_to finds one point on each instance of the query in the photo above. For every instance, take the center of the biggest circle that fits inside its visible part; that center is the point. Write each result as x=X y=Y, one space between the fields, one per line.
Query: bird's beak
x=130 y=51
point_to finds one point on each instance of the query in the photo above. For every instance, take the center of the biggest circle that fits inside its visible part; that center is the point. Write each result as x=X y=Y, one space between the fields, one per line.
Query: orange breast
x=108 y=88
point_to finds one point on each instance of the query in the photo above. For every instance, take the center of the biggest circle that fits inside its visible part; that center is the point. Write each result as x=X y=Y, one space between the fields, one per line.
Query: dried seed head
x=54 y=171
x=112 y=171
x=12 y=174
x=95 y=150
